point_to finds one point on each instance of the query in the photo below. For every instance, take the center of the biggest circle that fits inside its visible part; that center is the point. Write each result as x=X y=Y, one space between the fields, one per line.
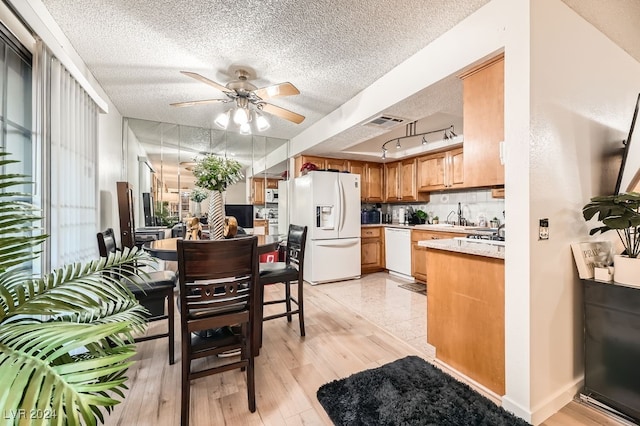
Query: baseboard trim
x=403 y=276
x=546 y=408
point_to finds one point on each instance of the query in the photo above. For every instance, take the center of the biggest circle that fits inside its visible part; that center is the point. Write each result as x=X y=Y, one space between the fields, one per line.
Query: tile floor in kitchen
x=378 y=298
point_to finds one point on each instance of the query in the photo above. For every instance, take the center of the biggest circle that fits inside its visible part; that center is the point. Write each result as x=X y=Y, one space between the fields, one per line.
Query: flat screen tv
x=242 y=212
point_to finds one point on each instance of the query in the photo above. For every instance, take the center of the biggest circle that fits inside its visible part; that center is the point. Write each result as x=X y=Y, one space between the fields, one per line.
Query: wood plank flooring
x=342 y=339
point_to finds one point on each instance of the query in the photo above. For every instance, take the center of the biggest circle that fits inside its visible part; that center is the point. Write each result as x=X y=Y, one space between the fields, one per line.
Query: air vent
x=385 y=121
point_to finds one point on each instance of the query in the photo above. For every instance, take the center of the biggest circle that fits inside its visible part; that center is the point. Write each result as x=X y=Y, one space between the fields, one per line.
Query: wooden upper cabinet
x=257 y=191
x=320 y=162
x=441 y=170
x=375 y=182
x=408 y=180
x=392 y=181
x=336 y=164
x=401 y=179
x=371 y=178
x=483 y=114
x=357 y=168
x=272 y=184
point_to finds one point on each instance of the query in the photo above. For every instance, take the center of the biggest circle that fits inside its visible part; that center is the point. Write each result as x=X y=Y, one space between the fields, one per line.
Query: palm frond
x=45 y=321
x=32 y=379
x=73 y=288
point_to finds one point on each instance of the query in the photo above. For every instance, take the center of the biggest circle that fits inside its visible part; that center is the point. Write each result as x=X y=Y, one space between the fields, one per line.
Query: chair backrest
x=106 y=242
x=296 y=241
x=217 y=276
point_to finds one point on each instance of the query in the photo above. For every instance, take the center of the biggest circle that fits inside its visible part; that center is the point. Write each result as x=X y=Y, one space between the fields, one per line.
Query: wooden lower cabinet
x=418 y=253
x=465 y=314
x=372 y=249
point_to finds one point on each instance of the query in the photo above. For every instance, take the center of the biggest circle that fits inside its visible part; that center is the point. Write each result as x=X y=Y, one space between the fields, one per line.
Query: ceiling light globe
x=245 y=129
x=261 y=123
x=222 y=120
x=241 y=116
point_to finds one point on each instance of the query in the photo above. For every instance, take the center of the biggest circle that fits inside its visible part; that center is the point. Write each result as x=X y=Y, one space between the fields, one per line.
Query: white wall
x=110 y=168
x=583 y=91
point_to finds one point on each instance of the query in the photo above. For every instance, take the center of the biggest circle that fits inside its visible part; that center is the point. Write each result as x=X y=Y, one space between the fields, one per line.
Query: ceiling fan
x=244 y=94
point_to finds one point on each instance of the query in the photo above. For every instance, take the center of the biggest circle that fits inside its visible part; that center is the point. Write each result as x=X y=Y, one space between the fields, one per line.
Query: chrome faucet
x=448 y=216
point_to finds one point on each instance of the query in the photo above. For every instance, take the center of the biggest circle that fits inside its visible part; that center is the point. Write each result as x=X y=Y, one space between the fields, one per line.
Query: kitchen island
x=465 y=308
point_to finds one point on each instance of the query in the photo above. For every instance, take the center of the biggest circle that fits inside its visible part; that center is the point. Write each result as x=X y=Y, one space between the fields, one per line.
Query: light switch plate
x=543 y=229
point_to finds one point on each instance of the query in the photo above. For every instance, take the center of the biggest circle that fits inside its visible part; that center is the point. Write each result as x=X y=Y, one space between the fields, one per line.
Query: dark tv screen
x=242 y=212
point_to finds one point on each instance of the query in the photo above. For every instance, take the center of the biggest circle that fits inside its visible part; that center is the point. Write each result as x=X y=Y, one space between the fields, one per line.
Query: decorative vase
x=216 y=216
x=626 y=270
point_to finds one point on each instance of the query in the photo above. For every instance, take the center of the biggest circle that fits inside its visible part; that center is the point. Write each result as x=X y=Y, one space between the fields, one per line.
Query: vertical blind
x=73 y=170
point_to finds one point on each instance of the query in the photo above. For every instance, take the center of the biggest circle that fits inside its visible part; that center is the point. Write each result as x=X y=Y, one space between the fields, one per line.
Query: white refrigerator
x=328 y=203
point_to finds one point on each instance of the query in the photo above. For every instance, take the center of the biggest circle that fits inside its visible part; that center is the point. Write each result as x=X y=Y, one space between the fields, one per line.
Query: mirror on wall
x=162 y=174
x=629 y=176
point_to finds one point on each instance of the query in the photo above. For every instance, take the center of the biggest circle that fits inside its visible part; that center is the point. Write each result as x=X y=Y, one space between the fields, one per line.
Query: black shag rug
x=409 y=391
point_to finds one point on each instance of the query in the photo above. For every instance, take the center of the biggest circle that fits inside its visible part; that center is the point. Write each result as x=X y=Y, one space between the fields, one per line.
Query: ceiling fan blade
x=275 y=90
x=204 y=101
x=282 y=113
x=205 y=80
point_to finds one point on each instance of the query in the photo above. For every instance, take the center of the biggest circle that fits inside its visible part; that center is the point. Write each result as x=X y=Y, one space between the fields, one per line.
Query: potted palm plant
x=215 y=173
x=620 y=213
x=64 y=337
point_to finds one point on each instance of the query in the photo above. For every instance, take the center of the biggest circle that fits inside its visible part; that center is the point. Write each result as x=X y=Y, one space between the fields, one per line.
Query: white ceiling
x=329 y=49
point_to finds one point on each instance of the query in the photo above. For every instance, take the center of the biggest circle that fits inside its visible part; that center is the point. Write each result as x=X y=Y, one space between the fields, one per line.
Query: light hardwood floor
x=349 y=328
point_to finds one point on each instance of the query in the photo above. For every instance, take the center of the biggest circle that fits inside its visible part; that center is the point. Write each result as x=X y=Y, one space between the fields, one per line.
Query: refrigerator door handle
x=339 y=206
x=343 y=201
x=345 y=242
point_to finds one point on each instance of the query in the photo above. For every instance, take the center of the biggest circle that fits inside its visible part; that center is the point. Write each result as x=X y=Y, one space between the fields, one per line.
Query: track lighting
x=448 y=134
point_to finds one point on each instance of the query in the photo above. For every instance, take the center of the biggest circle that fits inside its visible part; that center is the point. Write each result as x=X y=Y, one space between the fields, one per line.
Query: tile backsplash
x=473 y=202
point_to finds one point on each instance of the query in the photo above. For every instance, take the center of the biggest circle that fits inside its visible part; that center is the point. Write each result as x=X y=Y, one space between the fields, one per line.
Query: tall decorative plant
x=216 y=173
x=620 y=213
x=64 y=337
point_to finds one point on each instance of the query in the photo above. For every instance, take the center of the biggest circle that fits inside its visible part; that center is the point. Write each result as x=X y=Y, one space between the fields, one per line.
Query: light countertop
x=475 y=247
x=464 y=230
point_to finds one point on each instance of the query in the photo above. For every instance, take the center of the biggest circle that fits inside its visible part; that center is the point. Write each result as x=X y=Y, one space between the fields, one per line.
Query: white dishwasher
x=397 y=251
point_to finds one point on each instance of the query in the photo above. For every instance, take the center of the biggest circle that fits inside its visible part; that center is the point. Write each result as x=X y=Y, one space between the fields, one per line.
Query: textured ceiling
x=329 y=49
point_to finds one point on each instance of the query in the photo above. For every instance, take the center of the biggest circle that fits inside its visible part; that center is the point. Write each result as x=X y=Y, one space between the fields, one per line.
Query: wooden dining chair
x=153 y=291
x=287 y=272
x=219 y=296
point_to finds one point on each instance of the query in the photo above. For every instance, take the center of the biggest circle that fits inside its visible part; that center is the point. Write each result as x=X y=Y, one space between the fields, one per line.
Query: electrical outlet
x=543 y=229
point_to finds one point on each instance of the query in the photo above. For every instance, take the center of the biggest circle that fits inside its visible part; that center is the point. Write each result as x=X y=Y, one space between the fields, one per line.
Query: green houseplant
x=64 y=337
x=620 y=213
x=215 y=173
x=198 y=195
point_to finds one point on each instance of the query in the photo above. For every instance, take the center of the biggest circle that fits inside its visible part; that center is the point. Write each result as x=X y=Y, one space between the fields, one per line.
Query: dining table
x=167 y=249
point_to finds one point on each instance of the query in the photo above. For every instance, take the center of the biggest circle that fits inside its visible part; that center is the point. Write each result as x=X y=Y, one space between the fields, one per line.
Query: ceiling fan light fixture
x=222 y=120
x=241 y=116
x=245 y=129
x=262 y=123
